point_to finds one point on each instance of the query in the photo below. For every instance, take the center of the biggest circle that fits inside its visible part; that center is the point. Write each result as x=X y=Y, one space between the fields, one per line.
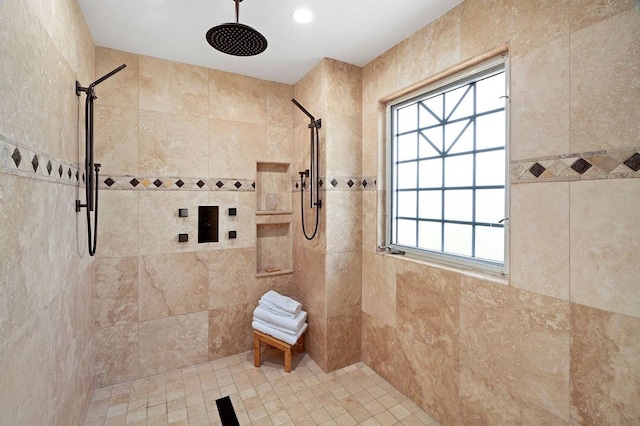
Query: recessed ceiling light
x=302 y=16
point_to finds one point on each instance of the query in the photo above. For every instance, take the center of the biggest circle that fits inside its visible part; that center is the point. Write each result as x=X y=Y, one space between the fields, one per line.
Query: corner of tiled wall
x=46 y=337
x=500 y=352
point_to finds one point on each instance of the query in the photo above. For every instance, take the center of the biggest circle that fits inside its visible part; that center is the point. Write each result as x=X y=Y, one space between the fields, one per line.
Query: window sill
x=488 y=276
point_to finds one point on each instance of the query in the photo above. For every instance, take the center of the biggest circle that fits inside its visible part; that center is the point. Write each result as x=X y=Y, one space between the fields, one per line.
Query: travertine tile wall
x=343 y=120
x=186 y=134
x=46 y=274
x=310 y=255
x=327 y=268
x=559 y=343
x=556 y=342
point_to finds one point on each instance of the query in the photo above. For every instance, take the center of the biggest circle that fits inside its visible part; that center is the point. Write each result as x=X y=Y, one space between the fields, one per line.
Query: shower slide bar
x=312 y=171
x=91 y=184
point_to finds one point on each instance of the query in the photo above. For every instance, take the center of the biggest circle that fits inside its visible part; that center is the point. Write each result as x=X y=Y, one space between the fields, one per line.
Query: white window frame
x=442 y=85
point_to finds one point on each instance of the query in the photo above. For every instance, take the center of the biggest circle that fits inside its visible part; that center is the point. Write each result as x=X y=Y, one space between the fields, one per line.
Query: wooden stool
x=258 y=337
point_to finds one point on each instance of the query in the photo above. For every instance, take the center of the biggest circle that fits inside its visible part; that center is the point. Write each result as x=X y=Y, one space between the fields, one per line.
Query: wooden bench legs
x=278 y=344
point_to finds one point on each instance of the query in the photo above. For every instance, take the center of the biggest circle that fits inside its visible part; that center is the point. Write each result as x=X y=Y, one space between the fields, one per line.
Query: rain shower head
x=234 y=38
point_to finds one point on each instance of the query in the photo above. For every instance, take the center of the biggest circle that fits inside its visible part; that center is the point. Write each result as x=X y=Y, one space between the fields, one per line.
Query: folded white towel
x=278 y=334
x=292 y=324
x=275 y=310
x=285 y=303
x=276 y=327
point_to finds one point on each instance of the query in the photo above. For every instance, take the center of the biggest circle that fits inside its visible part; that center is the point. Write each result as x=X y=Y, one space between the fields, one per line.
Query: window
x=447 y=170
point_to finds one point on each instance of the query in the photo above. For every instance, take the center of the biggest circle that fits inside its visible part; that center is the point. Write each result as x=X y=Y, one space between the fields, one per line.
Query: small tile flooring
x=354 y=395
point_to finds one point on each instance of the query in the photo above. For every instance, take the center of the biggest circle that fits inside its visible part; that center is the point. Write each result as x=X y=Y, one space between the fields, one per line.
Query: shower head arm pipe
x=314 y=122
x=89 y=89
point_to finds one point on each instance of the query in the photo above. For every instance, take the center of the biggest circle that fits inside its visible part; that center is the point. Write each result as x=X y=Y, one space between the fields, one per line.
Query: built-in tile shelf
x=274 y=274
x=272 y=212
x=273 y=217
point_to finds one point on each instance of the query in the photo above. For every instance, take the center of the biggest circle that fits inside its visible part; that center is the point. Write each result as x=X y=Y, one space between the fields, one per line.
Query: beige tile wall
x=554 y=342
x=331 y=91
x=160 y=304
x=466 y=349
x=46 y=275
x=310 y=256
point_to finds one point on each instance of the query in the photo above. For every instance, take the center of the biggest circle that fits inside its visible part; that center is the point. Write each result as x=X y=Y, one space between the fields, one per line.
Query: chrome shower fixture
x=234 y=38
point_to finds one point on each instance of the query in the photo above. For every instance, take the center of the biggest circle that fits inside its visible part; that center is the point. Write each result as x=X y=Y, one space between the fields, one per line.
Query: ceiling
x=353 y=31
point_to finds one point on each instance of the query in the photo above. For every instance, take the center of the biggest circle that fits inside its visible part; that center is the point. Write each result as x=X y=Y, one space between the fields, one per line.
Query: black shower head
x=234 y=38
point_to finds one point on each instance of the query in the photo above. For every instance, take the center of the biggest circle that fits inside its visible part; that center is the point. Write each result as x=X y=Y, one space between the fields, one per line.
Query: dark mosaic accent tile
x=581 y=165
x=334 y=183
x=179 y=183
x=219 y=184
x=69 y=172
x=49 y=167
x=364 y=183
x=375 y=181
x=109 y=182
x=134 y=182
x=321 y=182
x=350 y=183
x=157 y=183
x=633 y=162
x=253 y=185
x=297 y=185
x=77 y=175
x=537 y=169
x=17 y=158
x=60 y=170
x=200 y=184
x=83 y=177
x=237 y=184
x=35 y=163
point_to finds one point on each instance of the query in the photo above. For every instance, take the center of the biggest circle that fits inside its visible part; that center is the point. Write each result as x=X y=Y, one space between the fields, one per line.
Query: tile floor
x=261 y=396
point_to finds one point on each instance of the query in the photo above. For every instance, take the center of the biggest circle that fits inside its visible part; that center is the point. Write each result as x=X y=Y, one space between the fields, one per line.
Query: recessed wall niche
x=273 y=219
x=273 y=248
x=273 y=188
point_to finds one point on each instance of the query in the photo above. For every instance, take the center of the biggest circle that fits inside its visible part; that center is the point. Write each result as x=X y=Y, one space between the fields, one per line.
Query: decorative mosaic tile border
x=176 y=184
x=342 y=183
x=605 y=164
x=21 y=160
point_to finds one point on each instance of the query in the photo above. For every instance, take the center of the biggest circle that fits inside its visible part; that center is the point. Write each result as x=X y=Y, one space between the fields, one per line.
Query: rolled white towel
x=282 y=329
x=287 y=323
x=278 y=334
x=274 y=309
x=285 y=303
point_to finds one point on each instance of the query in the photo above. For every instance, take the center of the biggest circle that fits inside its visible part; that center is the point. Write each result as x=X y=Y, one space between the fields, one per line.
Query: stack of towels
x=280 y=317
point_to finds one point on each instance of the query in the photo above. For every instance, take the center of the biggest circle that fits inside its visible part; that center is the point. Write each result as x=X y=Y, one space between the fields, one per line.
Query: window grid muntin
x=444 y=154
